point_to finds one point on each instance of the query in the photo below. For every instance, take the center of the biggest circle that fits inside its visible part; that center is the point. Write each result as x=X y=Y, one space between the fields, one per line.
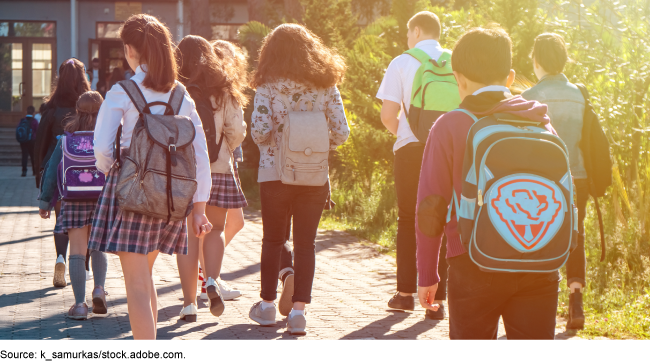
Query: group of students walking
x=484 y=182
x=163 y=176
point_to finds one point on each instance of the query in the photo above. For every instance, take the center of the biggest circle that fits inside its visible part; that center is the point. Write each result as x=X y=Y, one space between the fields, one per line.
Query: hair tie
x=70 y=61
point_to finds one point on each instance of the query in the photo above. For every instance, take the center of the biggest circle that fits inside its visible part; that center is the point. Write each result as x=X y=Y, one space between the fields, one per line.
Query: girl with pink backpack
x=72 y=175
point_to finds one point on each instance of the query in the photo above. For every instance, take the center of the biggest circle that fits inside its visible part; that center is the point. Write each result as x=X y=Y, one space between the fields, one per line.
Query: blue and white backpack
x=516 y=210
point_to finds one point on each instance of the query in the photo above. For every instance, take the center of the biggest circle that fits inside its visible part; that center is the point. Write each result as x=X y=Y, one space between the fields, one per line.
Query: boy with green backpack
x=418 y=87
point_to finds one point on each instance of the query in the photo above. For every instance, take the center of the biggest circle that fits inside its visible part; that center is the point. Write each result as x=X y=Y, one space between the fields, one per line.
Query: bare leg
x=213 y=242
x=151 y=259
x=234 y=224
x=188 y=269
x=140 y=293
x=78 y=240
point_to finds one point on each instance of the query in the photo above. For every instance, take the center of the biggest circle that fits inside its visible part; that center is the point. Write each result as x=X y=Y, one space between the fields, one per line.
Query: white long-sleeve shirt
x=118 y=109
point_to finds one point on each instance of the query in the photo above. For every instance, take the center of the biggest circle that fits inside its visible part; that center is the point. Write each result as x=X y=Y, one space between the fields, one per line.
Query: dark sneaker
x=436 y=315
x=576 y=313
x=399 y=302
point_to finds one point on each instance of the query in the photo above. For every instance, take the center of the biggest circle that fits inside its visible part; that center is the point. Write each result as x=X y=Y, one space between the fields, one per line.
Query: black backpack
x=206 y=114
x=516 y=212
x=24 y=130
x=597 y=159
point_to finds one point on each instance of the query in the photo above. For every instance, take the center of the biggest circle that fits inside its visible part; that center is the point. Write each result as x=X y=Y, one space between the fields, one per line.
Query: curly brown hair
x=236 y=68
x=293 y=52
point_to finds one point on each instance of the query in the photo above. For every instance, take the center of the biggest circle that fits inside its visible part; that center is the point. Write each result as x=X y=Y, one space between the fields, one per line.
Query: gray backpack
x=160 y=168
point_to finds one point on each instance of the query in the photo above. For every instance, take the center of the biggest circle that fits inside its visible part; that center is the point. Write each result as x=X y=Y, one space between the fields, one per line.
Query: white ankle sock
x=266 y=305
x=296 y=312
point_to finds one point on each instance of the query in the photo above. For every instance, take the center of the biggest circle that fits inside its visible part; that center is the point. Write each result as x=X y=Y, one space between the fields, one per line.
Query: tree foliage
x=609 y=44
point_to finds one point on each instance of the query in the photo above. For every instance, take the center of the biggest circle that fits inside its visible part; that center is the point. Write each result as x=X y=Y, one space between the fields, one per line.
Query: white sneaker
x=188 y=313
x=214 y=295
x=227 y=292
x=59 y=272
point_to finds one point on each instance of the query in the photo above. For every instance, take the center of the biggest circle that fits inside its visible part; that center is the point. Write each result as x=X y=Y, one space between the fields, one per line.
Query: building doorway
x=27 y=60
x=108 y=48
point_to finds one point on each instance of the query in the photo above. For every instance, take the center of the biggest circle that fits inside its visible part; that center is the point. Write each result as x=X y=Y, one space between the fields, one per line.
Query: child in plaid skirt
x=221 y=85
x=136 y=238
x=76 y=216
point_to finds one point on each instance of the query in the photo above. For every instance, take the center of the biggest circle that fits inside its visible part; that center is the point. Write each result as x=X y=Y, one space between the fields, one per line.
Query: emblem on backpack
x=527 y=210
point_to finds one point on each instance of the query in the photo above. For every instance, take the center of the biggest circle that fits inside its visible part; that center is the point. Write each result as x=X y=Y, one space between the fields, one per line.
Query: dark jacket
x=50 y=127
x=49 y=181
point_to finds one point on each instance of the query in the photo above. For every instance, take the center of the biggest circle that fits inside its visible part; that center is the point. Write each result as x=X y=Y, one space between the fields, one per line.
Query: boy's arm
x=390 y=115
x=434 y=193
x=390 y=92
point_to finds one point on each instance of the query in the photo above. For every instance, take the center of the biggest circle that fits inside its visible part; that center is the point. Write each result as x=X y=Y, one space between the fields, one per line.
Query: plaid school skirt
x=75 y=214
x=114 y=230
x=226 y=192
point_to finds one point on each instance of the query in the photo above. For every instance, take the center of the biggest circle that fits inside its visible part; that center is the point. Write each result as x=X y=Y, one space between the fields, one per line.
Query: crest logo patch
x=527 y=210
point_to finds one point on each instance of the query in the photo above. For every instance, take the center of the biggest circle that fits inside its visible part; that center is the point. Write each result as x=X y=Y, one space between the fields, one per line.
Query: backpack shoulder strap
x=418 y=54
x=444 y=60
x=135 y=94
x=583 y=90
x=319 y=98
x=176 y=98
x=467 y=113
x=285 y=100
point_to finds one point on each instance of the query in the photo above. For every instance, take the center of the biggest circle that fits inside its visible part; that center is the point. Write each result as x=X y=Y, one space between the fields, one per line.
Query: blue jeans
x=306 y=204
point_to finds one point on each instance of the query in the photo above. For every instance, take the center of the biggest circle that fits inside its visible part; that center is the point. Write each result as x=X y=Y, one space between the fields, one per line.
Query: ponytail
x=152 y=40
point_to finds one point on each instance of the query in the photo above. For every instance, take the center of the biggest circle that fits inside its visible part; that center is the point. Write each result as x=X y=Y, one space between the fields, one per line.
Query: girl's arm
x=234 y=126
x=108 y=121
x=261 y=120
x=203 y=177
x=49 y=180
x=337 y=122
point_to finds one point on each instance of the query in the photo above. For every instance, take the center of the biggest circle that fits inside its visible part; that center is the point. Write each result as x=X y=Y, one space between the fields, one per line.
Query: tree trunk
x=293 y=10
x=257 y=11
x=200 y=18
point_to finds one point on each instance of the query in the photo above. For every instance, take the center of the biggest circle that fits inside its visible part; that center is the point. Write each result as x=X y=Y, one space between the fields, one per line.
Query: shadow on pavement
x=379 y=329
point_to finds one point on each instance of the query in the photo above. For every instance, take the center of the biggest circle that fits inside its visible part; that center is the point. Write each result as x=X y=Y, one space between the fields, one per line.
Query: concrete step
x=10 y=153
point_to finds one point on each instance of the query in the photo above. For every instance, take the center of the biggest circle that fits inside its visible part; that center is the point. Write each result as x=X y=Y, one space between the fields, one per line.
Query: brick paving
x=353 y=282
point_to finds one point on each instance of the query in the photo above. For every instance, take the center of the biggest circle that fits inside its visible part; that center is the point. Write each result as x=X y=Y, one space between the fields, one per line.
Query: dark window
x=27 y=29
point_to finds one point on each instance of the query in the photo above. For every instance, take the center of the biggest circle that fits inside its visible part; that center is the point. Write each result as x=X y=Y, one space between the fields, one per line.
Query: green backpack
x=435 y=92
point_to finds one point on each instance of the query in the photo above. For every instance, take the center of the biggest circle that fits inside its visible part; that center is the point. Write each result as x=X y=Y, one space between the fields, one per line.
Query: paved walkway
x=352 y=285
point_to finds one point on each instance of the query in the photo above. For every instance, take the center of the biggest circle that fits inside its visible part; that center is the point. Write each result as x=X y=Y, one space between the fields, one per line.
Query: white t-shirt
x=397 y=85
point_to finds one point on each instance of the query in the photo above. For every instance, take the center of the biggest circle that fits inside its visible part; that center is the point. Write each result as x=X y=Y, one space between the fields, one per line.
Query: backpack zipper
x=481 y=172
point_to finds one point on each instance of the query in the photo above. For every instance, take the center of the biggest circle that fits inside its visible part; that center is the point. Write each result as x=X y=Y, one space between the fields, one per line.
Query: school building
x=35 y=36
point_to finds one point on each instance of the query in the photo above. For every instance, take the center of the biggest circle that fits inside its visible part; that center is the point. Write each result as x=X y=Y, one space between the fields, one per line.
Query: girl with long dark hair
x=208 y=82
x=60 y=105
